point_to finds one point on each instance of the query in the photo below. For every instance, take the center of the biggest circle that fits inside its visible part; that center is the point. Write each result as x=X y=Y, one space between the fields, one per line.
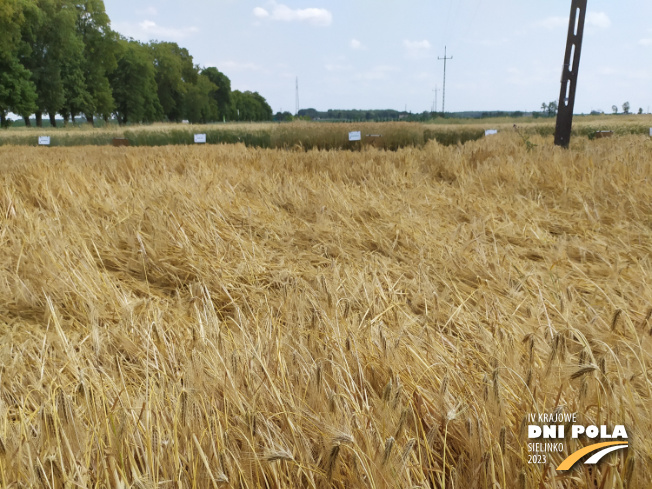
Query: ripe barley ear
x=495 y=378
x=275 y=455
x=332 y=460
x=583 y=371
x=389 y=444
x=522 y=480
x=614 y=320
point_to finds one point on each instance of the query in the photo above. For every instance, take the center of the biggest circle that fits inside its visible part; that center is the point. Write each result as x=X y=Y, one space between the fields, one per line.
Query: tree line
x=62 y=57
x=352 y=114
x=333 y=115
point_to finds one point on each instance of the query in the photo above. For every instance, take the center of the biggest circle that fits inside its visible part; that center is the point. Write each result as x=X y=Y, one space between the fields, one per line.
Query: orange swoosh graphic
x=575 y=456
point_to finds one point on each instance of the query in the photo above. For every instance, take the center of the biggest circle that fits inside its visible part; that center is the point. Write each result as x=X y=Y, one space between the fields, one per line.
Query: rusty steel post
x=569 y=73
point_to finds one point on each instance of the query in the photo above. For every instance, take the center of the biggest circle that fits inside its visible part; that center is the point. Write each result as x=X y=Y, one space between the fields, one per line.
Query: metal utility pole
x=297 y=98
x=569 y=73
x=434 y=104
x=443 y=102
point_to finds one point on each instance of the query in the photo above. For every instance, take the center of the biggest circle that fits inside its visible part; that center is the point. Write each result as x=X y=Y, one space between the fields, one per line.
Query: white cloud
x=261 y=13
x=645 y=42
x=148 y=30
x=598 y=19
x=417 y=49
x=278 y=11
x=357 y=45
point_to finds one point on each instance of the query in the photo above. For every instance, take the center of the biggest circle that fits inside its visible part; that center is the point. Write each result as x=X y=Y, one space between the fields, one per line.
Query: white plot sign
x=490 y=132
x=651 y=131
x=44 y=140
x=200 y=138
x=355 y=136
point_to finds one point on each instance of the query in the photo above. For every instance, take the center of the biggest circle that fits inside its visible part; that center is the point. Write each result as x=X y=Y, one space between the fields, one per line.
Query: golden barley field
x=223 y=316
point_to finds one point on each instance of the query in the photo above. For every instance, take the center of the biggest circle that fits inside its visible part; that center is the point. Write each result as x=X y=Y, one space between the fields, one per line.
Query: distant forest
x=61 y=57
x=390 y=115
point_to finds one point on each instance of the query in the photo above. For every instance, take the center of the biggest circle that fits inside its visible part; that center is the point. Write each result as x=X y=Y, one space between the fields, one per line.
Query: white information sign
x=44 y=140
x=200 y=138
x=490 y=132
x=651 y=131
x=355 y=136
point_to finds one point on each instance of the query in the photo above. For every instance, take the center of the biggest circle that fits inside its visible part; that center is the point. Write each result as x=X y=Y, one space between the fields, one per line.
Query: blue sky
x=376 y=54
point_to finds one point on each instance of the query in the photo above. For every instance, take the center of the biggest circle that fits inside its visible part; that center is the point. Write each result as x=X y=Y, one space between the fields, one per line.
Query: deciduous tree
x=17 y=91
x=200 y=102
x=174 y=72
x=249 y=106
x=223 y=93
x=134 y=84
x=626 y=108
x=100 y=45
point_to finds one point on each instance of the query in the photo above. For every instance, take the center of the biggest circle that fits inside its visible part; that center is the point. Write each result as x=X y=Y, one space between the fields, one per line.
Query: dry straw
x=228 y=316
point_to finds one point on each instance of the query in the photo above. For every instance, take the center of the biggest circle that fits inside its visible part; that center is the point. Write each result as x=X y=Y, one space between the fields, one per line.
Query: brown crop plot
x=223 y=316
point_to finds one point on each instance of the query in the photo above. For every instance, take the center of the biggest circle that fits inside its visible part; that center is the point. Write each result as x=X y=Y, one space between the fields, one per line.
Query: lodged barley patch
x=224 y=316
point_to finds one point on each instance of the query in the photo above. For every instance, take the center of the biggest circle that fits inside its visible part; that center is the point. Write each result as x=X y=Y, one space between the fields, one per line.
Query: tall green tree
x=29 y=28
x=264 y=111
x=175 y=71
x=200 y=102
x=48 y=33
x=99 y=56
x=77 y=97
x=11 y=21
x=61 y=57
x=134 y=84
x=223 y=94
x=17 y=91
x=249 y=106
x=626 y=108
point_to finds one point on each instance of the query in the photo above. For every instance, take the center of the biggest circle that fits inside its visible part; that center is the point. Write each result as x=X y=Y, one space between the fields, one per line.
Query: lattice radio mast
x=443 y=102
